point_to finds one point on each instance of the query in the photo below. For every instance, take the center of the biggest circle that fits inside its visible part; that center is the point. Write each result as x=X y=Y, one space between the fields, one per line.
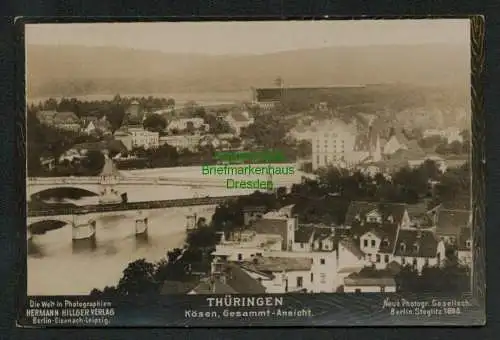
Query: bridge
x=111 y=184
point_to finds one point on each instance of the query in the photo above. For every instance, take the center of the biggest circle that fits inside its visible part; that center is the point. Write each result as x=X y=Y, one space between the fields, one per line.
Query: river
x=57 y=270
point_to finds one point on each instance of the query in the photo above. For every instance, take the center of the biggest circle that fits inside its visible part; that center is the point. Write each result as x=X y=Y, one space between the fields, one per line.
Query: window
x=378 y=258
x=382 y=289
x=317 y=159
x=322 y=278
x=357 y=290
x=240 y=257
x=403 y=261
x=369 y=257
x=386 y=258
x=373 y=243
x=322 y=261
x=365 y=243
x=302 y=245
x=312 y=277
x=426 y=262
x=414 y=262
x=416 y=248
x=300 y=281
x=326 y=159
x=402 y=246
x=468 y=244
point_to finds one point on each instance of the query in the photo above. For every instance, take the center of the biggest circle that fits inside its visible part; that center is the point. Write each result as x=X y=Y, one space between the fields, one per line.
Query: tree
x=304 y=149
x=94 y=161
x=190 y=127
x=138 y=278
x=267 y=131
x=155 y=122
x=116 y=116
x=170 y=102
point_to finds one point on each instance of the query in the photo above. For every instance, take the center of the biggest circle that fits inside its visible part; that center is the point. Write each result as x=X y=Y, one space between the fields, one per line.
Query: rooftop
x=370 y=277
x=450 y=222
x=278 y=264
x=416 y=243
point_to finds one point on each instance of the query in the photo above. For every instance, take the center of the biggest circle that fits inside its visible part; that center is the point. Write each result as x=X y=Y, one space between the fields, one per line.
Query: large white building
x=339 y=144
x=144 y=138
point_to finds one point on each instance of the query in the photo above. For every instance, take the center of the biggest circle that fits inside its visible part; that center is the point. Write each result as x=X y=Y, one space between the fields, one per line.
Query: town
x=386 y=208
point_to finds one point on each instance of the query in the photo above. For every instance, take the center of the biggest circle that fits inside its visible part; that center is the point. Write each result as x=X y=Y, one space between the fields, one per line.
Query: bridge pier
x=141 y=227
x=84 y=237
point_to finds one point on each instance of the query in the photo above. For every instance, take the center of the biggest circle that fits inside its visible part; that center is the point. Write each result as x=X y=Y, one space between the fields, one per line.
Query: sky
x=219 y=38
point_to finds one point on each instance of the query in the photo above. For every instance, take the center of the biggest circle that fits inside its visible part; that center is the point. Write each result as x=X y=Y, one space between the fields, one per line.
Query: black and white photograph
x=249 y=157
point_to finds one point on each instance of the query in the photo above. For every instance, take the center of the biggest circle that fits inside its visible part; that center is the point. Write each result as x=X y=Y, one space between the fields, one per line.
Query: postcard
x=246 y=172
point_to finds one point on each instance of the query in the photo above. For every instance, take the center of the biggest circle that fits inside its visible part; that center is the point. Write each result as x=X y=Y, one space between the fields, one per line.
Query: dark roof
x=321 y=233
x=213 y=286
x=370 y=277
x=251 y=208
x=273 y=94
x=387 y=234
x=450 y=222
x=177 y=287
x=303 y=234
x=278 y=264
x=362 y=208
x=417 y=243
x=241 y=282
x=464 y=236
x=353 y=247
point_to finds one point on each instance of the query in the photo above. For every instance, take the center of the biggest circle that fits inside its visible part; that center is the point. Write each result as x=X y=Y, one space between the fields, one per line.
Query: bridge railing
x=88 y=209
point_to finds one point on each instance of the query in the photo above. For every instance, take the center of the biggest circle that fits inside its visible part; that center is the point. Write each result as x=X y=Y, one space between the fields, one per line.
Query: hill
x=78 y=70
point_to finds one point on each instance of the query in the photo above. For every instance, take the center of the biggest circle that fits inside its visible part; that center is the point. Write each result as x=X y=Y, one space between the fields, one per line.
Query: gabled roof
x=239 y=117
x=387 y=234
x=213 y=286
x=241 y=282
x=450 y=222
x=362 y=208
x=425 y=241
x=352 y=247
x=65 y=118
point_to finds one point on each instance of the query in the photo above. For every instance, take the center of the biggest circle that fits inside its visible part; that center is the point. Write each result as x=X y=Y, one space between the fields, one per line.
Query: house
x=314 y=238
x=48 y=163
x=183 y=124
x=227 y=278
x=281 y=274
x=61 y=120
x=134 y=111
x=451 y=134
x=253 y=213
x=301 y=132
x=450 y=223
x=239 y=120
x=98 y=126
x=182 y=142
x=144 y=138
x=79 y=151
x=125 y=137
x=419 y=248
x=370 y=281
x=378 y=244
x=464 y=247
x=362 y=216
x=281 y=226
